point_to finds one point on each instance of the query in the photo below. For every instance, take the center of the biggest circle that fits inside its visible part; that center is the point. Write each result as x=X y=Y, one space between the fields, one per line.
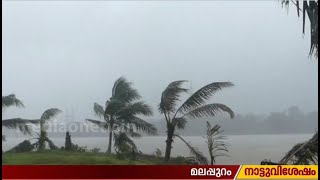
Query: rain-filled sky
x=68 y=54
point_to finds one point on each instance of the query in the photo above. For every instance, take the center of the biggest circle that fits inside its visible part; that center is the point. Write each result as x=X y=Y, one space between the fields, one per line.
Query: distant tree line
x=289 y=121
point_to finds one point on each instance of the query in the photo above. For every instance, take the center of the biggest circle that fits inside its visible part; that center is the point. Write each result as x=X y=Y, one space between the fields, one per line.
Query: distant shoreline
x=230 y=134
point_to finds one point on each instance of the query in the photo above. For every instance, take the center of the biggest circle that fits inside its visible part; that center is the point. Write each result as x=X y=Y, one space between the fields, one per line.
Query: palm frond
x=215 y=142
x=303 y=153
x=298 y=8
x=195 y=152
x=123 y=142
x=124 y=92
x=25 y=129
x=310 y=9
x=114 y=106
x=180 y=123
x=100 y=124
x=312 y=12
x=170 y=96
x=98 y=110
x=50 y=114
x=127 y=129
x=134 y=134
x=22 y=124
x=15 y=122
x=305 y=4
x=11 y=100
x=209 y=110
x=142 y=125
x=133 y=109
x=202 y=95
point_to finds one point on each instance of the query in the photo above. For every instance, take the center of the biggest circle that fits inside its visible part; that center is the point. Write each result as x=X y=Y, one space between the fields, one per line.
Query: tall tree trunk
x=169 y=141
x=110 y=141
x=42 y=138
x=212 y=162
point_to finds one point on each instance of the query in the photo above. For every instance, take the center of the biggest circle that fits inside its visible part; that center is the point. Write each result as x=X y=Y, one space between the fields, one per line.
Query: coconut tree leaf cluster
x=121 y=115
x=196 y=106
x=45 y=118
x=308 y=10
x=304 y=153
x=15 y=123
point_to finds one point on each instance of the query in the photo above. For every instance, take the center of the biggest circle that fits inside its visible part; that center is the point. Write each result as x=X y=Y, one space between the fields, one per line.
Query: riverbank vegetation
x=122 y=118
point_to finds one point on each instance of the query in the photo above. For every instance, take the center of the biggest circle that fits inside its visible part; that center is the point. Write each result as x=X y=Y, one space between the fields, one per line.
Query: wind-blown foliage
x=307 y=152
x=194 y=107
x=24 y=146
x=18 y=123
x=170 y=96
x=303 y=153
x=198 y=156
x=15 y=123
x=215 y=142
x=216 y=146
x=121 y=111
x=47 y=116
x=11 y=100
x=124 y=145
x=201 y=96
x=310 y=9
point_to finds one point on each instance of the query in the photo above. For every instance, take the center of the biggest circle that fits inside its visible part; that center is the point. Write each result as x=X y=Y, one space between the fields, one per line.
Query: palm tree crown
x=194 y=107
x=47 y=116
x=15 y=123
x=121 y=112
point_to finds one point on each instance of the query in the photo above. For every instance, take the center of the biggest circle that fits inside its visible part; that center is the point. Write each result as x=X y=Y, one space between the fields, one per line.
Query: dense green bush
x=25 y=146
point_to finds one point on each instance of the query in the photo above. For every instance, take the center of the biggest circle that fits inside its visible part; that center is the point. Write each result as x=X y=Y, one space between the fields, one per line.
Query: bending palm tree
x=121 y=112
x=48 y=115
x=194 y=107
x=303 y=153
x=15 y=123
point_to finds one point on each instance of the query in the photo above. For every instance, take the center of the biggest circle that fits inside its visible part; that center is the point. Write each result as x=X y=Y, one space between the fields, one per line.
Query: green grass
x=65 y=158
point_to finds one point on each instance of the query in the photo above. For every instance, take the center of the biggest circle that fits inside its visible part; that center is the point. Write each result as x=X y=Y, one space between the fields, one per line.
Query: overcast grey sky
x=68 y=54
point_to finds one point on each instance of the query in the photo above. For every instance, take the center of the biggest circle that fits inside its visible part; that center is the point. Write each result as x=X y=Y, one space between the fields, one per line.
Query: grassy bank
x=78 y=158
x=65 y=158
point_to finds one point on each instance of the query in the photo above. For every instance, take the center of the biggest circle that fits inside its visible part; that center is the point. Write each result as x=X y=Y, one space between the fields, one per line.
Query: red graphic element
x=113 y=172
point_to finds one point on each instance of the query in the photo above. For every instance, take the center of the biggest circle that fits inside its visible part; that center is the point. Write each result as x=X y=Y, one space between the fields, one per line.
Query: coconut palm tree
x=42 y=138
x=194 y=107
x=47 y=116
x=15 y=123
x=121 y=111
